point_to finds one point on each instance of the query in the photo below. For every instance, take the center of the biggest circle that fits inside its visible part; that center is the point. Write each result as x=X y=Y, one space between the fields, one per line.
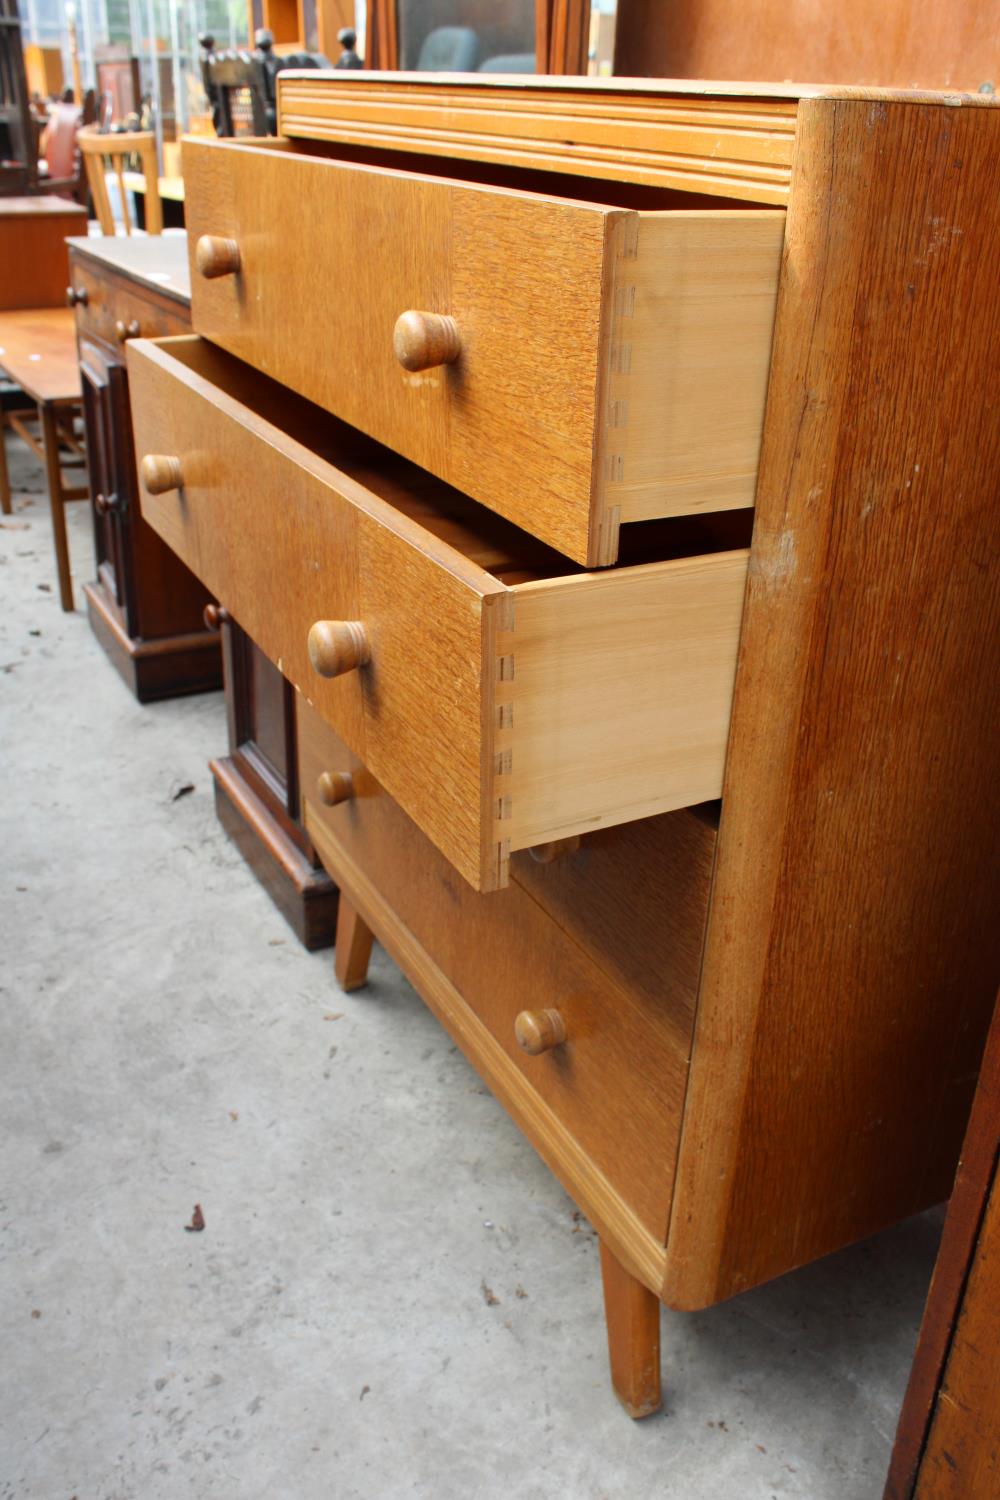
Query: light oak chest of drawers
x=585 y=453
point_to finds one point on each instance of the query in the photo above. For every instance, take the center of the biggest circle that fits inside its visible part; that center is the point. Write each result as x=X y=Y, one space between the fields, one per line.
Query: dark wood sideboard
x=145 y=606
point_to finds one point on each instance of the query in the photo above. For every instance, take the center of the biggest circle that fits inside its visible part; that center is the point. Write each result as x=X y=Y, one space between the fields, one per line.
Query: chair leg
x=5 y=501
x=53 y=475
x=352 y=947
x=632 y=1313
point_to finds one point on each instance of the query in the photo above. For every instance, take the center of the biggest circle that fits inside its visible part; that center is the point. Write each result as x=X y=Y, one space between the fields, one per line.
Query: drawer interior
x=504 y=551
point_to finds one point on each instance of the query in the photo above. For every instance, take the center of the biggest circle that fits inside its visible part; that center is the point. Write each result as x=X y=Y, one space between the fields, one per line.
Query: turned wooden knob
x=106 y=505
x=160 y=473
x=76 y=296
x=215 y=256
x=214 y=616
x=539 y=1030
x=334 y=787
x=338 y=646
x=129 y=330
x=422 y=340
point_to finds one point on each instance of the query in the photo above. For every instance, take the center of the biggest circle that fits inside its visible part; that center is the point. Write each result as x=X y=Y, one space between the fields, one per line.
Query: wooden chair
x=114 y=147
x=241 y=85
x=17 y=136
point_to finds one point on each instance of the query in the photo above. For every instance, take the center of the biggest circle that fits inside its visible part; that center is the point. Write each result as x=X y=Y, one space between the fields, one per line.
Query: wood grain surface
x=38 y=352
x=739 y=148
x=852 y=948
x=616 y=1084
x=900 y=43
x=499 y=714
x=610 y=368
x=615 y=694
x=33 y=256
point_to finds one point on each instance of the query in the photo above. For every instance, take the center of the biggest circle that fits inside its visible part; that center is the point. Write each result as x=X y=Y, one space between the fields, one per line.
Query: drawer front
x=111 y=302
x=603 y=366
x=617 y=1082
x=283 y=540
x=498 y=716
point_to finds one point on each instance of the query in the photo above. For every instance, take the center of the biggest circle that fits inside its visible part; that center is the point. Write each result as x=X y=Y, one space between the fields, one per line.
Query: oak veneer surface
x=852 y=946
x=613 y=364
x=509 y=698
x=626 y=997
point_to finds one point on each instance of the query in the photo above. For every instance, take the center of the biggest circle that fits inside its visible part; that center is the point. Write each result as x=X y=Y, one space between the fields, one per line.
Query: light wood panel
x=733 y=147
x=612 y=365
x=616 y=1085
x=852 y=948
x=690 y=352
x=614 y=695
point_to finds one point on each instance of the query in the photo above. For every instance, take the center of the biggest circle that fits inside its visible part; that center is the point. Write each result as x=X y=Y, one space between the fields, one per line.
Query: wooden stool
x=38 y=353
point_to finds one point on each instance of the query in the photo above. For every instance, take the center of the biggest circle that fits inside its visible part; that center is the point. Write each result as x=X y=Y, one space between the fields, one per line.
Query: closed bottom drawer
x=603 y=1105
x=502 y=695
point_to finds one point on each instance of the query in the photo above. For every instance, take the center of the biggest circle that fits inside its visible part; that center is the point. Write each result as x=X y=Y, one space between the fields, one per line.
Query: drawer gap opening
x=500 y=548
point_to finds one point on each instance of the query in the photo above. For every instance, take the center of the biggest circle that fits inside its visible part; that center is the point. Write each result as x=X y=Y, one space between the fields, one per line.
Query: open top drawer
x=504 y=697
x=575 y=365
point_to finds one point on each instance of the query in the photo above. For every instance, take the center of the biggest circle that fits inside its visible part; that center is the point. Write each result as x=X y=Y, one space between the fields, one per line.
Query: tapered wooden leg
x=5 y=502
x=53 y=475
x=352 y=947
x=633 y=1318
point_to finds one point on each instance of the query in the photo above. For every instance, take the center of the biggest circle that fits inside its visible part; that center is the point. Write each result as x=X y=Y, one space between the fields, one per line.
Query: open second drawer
x=503 y=696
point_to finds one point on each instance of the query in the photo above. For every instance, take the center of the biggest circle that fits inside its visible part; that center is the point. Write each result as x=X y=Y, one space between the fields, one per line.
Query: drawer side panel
x=619 y=696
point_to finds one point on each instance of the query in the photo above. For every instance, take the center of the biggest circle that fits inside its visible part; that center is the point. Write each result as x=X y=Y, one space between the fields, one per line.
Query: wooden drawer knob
x=422 y=340
x=129 y=330
x=214 y=616
x=539 y=1031
x=215 y=256
x=160 y=473
x=338 y=646
x=76 y=296
x=335 y=787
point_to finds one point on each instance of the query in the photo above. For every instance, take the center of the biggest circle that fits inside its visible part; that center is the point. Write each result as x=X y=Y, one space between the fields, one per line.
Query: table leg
x=53 y=475
x=5 y=502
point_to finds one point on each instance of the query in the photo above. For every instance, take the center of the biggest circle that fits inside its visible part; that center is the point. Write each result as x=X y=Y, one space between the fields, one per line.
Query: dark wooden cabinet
x=257 y=792
x=145 y=606
x=948 y=1442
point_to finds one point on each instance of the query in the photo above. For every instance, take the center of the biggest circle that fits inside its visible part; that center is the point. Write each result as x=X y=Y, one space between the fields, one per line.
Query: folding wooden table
x=38 y=353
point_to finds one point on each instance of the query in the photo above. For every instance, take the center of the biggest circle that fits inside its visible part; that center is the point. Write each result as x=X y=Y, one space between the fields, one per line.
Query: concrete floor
x=392 y=1297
